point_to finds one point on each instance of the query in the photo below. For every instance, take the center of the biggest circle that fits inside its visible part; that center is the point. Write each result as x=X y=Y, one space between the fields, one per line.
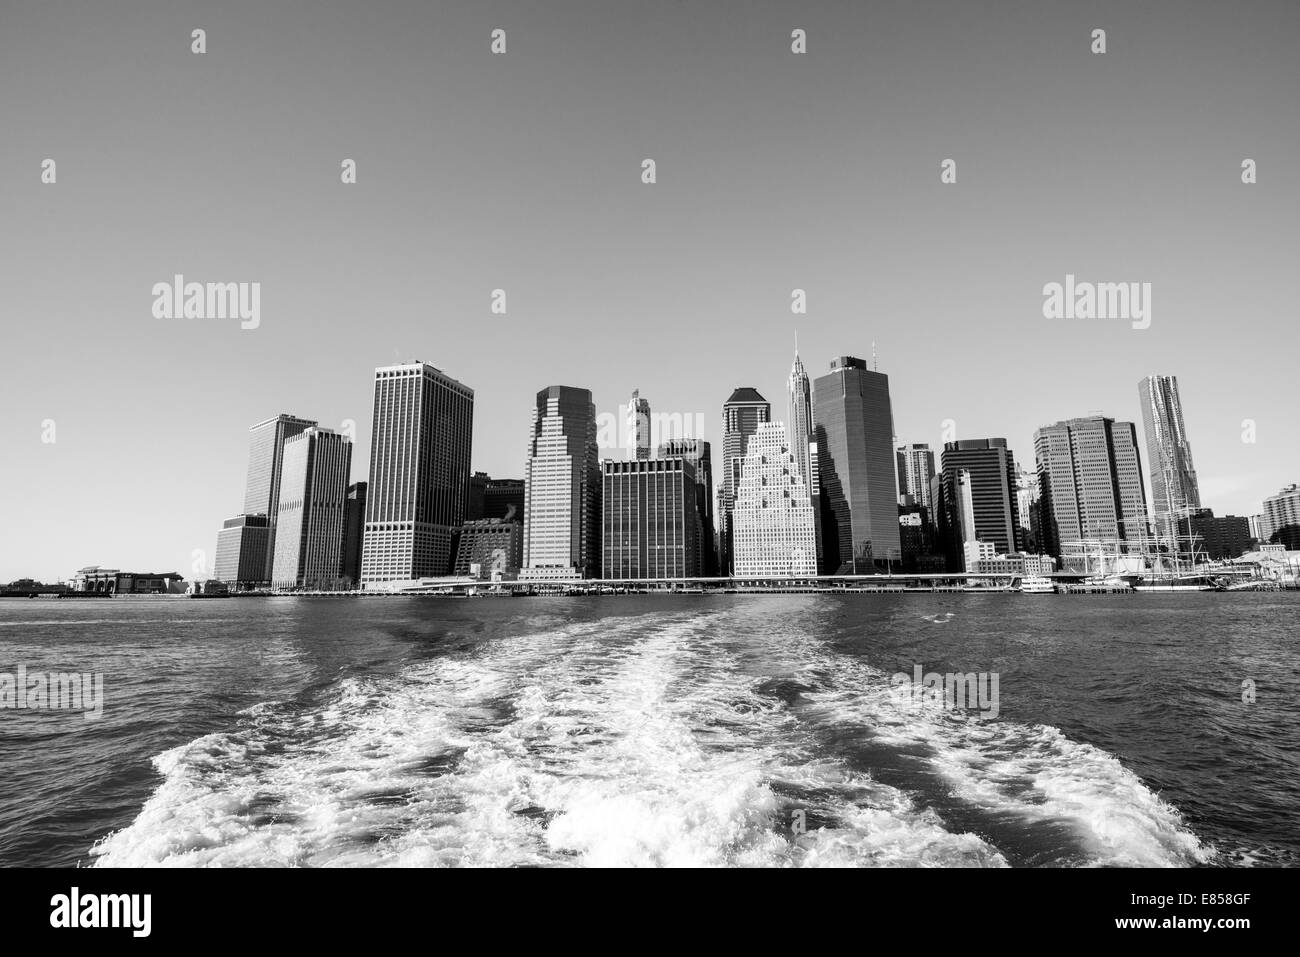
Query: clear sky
x=522 y=172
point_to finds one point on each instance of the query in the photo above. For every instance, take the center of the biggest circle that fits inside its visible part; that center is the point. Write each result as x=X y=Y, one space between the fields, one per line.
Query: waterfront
x=655 y=730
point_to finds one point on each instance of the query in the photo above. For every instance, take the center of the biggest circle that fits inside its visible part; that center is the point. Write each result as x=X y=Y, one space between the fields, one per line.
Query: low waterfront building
x=1220 y=537
x=1274 y=563
x=489 y=548
x=112 y=581
x=1015 y=564
x=975 y=551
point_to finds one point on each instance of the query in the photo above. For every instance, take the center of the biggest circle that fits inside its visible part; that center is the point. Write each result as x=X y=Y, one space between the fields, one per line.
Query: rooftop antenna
x=875 y=365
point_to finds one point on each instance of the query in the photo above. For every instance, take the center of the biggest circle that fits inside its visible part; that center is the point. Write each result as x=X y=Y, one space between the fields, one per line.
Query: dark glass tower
x=856 y=469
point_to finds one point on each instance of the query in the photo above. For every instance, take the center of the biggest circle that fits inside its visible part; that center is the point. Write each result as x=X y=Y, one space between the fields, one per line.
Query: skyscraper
x=562 y=487
x=915 y=469
x=699 y=454
x=856 y=468
x=503 y=499
x=241 y=552
x=741 y=416
x=1174 y=492
x=1027 y=508
x=800 y=427
x=650 y=519
x=312 y=510
x=638 y=425
x=419 y=472
x=354 y=524
x=1090 y=483
x=772 y=513
x=986 y=509
x=802 y=444
x=262 y=491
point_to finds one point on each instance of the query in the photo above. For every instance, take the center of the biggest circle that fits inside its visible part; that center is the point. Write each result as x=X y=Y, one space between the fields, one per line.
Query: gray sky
x=522 y=172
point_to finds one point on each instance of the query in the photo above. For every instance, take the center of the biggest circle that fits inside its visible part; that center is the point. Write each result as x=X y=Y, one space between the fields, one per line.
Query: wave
x=726 y=739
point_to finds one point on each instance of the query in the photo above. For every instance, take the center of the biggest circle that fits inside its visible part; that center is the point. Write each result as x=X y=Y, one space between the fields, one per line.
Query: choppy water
x=656 y=731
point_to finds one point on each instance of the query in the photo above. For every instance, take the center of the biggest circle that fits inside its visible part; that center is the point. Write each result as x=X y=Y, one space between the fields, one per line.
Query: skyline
x=626 y=453
x=775 y=172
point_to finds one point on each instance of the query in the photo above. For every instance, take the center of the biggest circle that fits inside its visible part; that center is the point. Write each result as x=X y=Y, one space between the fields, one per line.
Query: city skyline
x=776 y=172
x=616 y=450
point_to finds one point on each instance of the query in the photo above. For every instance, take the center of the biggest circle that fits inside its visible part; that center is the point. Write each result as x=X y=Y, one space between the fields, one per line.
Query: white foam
x=636 y=741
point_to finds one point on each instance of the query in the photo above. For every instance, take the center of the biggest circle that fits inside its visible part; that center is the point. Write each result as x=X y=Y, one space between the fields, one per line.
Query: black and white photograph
x=699 y=435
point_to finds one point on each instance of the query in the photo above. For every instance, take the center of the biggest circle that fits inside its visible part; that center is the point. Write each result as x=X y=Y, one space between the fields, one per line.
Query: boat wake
x=728 y=739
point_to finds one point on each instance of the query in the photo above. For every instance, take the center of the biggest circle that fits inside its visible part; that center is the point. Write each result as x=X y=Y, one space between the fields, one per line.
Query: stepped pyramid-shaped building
x=775 y=533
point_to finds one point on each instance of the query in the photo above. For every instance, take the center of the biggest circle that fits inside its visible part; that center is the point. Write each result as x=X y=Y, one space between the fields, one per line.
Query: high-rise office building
x=419 y=473
x=312 y=510
x=504 y=499
x=1090 y=484
x=262 y=491
x=241 y=552
x=915 y=469
x=650 y=519
x=979 y=478
x=354 y=525
x=638 y=426
x=1174 y=492
x=773 y=534
x=562 y=487
x=699 y=455
x=742 y=414
x=474 y=504
x=1280 y=521
x=495 y=498
x=856 y=469
x=1027 y=505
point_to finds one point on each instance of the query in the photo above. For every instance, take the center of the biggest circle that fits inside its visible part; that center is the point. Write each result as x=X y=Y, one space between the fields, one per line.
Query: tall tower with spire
x=802 y=446
x=638 y=426
x=799 y=411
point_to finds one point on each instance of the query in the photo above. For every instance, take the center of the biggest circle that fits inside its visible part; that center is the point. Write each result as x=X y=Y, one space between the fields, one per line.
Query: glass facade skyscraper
x=312 y=510
x=262 y=491
x=1174 y=492
x=1090 y=483
x=418 y=490
x=857 y=471
x=987 y=510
